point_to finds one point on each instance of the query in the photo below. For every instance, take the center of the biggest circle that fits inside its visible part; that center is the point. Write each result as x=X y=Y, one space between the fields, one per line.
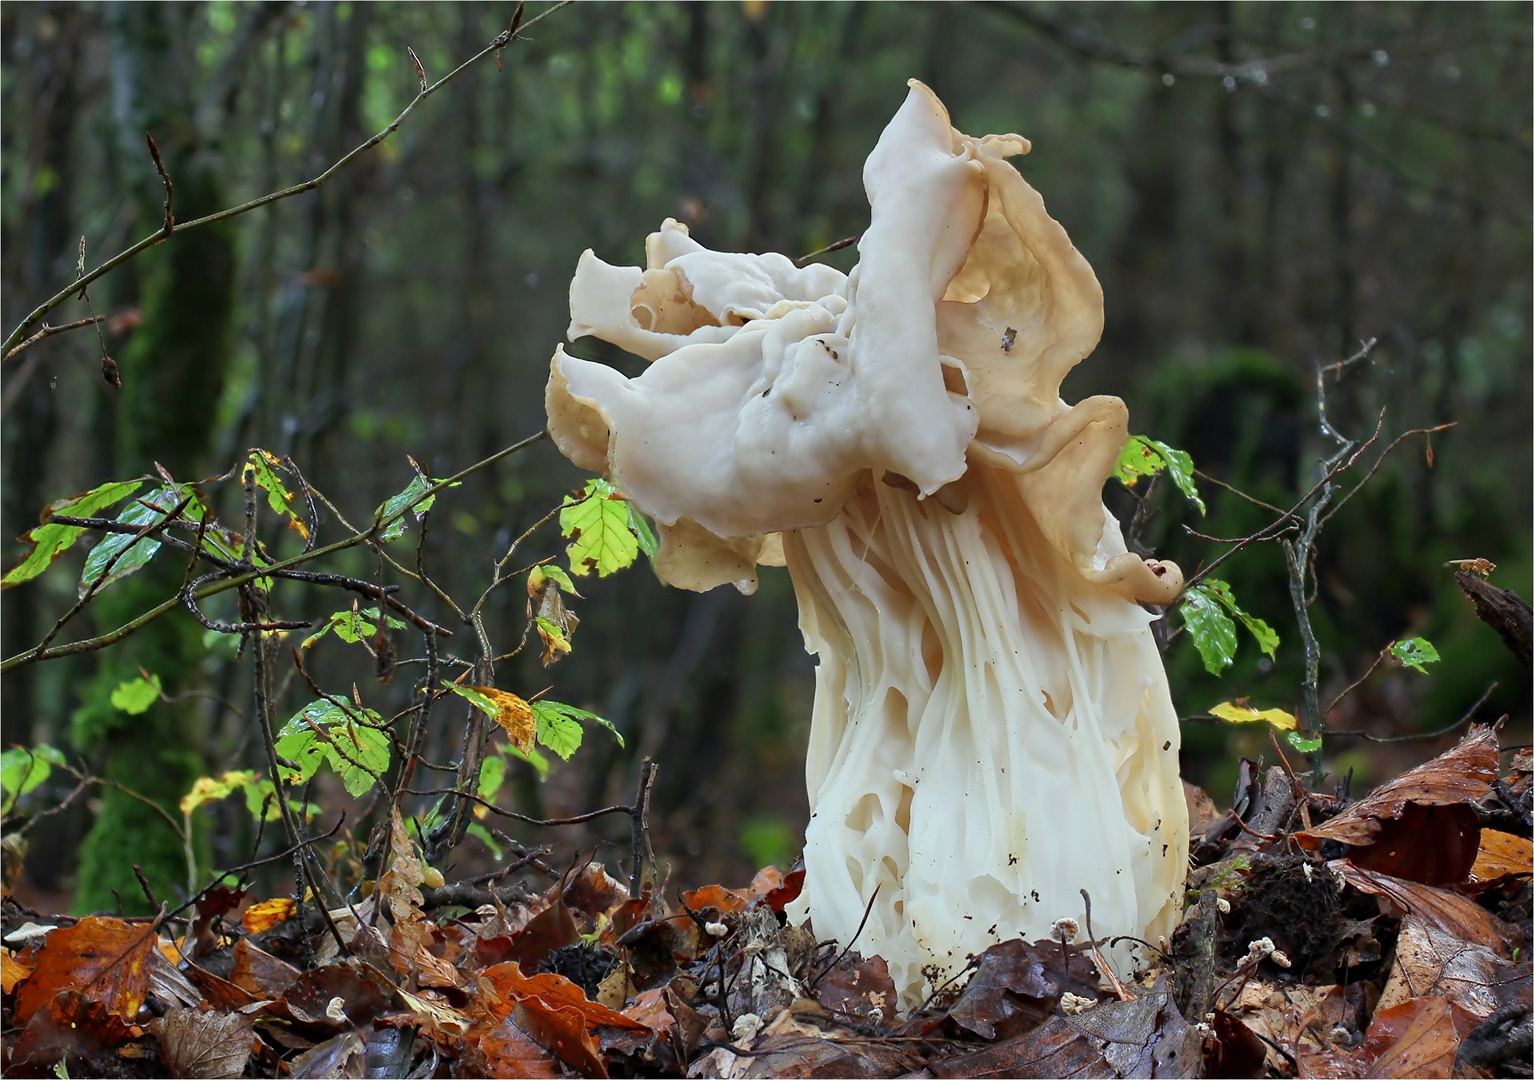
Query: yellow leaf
x=1245 y=714
x=513 y=714
x=268 y=913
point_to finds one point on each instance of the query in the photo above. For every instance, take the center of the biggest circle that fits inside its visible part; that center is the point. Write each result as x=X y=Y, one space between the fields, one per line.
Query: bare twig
x=170 y=190
x=842 y=243
x=49 y=331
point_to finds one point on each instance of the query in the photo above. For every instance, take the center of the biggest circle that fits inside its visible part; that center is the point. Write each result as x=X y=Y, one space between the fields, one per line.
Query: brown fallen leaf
x=1431 y=962
x=1056 y=1049
x=1502 y=854
x=70 y=1025
x=510 y=1051
x=14 y=967
x=259 y=972
x=107 y=958
x=1435 y=845
x=1202 y=812
x=399 y=888
x=725 y=901
x=1416 y=1038
x=1462 y=775
x=341 y=1055
x=1009 y=992
x=563 y=1032
x=858 y=988
x=200 y=1045
x=555 y=991
x=1458 y=916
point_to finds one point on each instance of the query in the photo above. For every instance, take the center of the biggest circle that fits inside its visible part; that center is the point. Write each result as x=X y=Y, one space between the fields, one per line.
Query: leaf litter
x=1304 y=953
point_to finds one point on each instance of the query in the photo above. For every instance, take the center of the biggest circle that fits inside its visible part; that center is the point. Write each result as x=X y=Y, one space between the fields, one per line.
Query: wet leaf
x=597 y=523
x=1415 y=1038
x=405 y=503
x=14 y=967
x=1055 y=1049
x=1241 y=713
x=1414 y=652
x=334 y=1057
x=559 y=726
x=50 y=541
x=207 y=789
x=203 y=1045
x=1213 y=634
x=510 y=1051
x=1434 y=845
x=323 y=732
x=1430 y=961
x=1456 y=915
x=72 y=1025
x=108 y=959
x=259 y=972
x=136 y=553
x=725 y=901
x=263 y=466
x=1267 y=637
x=1010 y=990
x=400 y=889
x=1461 y=775
x=555 y=644
x=259 y=918
x=1147 y=457
x=860 y=989
x=508 y=710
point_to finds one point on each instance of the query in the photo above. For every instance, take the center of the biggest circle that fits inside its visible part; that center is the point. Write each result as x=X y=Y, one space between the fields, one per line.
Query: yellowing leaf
x=512 y=713
x=268 y=913
x=207 y=789
x=1245 y=714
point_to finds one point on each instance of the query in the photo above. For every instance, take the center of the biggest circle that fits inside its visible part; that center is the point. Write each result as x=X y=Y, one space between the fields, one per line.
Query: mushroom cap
x=773 y=387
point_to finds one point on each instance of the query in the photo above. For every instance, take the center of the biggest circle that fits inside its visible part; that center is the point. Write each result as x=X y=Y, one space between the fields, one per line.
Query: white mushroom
x=992 y=729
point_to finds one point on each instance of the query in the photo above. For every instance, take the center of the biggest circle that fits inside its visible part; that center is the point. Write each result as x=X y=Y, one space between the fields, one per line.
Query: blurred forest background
x=1257 y=185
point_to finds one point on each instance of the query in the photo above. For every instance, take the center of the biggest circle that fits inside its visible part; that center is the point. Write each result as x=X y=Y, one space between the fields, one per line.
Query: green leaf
x=263 y=465
x=639 y=525
x=1214 y=635
x=492 y=772
x=136 y=695
x=1304 y=745
x=155 y=506
x=50 y=541
x=484 y=702
x=539 y=574
x=324 y=733
x=1414 y=652
x=482 y=834
x=597 y=525
x=561 y=734
x=22 y=770
x=552 y=711
x=1147 y=457
x=1267 y=638
x=398 y=505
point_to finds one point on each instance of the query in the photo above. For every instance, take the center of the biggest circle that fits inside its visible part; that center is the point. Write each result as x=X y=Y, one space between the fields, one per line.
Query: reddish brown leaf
x=363 y=991
x=1501 y=854
x=561 y=1031
x=1237 y=1051
x=106 y=958
x=399 y=888
x=787 y=893
x=1055 y=1049
x=1010 y=991
x=215 y=903
x=555 y=991
x=726 y=901
x=552 y=928
x=1202 y=812
x=203 y=1045
x=858 y=988
x=594 y=892
x=259 y=972
x=1416 y=1038
x=259 y=918
x=1461 y=775
x=1435 y=845
x=1431 y=962
x=220 y=992
x=509 y=1051
x=72 y=1025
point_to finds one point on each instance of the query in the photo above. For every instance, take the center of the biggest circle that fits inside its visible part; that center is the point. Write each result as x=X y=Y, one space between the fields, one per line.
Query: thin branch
x=170 y=189
x=49 y=331
x=1424 y=736
x=842 y=243
x=501 y=40
x=548 y=823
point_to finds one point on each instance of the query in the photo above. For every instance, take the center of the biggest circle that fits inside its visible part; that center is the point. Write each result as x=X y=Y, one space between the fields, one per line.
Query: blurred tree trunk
x=172 y=374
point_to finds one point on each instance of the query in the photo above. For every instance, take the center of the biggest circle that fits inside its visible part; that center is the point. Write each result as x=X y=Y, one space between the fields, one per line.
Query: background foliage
x=1258 y=186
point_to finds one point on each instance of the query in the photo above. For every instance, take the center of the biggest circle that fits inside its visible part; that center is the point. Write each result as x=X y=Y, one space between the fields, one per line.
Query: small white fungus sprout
x=1073 y=1005
x=1065 y=930
x=1222 y=905
x=1258 y=951
x=1281 y=958
x=716 y=929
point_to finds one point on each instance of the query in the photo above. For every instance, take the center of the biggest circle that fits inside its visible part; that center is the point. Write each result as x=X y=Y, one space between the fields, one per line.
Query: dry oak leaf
x=203 y=1045
x=106 y=958
x=1461 y=775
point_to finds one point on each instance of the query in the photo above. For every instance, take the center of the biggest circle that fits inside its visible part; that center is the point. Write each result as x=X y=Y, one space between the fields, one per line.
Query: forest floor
x=1383 y=937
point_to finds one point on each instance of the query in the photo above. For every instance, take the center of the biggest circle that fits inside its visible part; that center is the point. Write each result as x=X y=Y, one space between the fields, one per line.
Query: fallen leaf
x=1009 y=991
x=107 y=957
x=1202 y=812
x=555 y=991
x=14 y=967
x=563 y=1032
x=787 y=893
x=858 y=988
x=1456 y=915
x=1056 y=1049
x=652 y=1009
x=1237 y=1051
x=259 y=972
x=333 y=1057
x=70 y=1025
x=364 y=993
x=259 y=918
x=551 y=929
x=1461 y=775
x=725 y=901
x=1502 y=854
x=1416 y=1038
x=399 y=886
x=439 y=1021
x=510 y=1051
x=594 y=892
x=1431 y=962
x=203 y=1045
x=1434 y=845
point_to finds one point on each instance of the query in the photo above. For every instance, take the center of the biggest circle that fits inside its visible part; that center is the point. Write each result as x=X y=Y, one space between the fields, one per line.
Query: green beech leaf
x=1414 y=652
x=1147 y=457
x=482 y=834
x=136 y=553
x=263 y=465
x=550 y=711
x=1304 y=745
x=397 y=505
x=1213 y=633
x=50 y=541
x=22 y=770
x=561 y=734
x=136 y=695
x=492 y=772
x=320 y=732
x=639 y=525
x=597 y=525
x=1267 y=638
